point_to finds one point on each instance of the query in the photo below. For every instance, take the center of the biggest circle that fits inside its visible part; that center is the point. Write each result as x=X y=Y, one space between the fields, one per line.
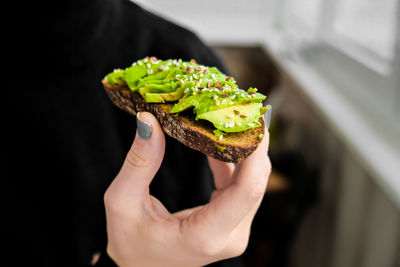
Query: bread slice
x=197 y=135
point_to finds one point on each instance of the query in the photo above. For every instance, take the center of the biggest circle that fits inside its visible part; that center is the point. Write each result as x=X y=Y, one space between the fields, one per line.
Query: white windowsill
x=379 y=158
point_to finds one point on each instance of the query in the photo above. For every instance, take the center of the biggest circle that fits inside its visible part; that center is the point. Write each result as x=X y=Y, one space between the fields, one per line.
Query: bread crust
x=197 y=135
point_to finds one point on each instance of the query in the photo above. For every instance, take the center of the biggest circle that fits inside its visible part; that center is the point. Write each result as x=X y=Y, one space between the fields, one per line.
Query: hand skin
x=141 y=232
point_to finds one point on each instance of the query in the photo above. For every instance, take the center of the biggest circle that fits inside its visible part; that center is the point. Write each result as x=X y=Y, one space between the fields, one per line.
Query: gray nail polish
x=267 y=116
x=144 y=129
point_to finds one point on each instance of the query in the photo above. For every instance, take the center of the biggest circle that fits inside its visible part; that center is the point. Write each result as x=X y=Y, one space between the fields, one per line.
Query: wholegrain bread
x=197 y=135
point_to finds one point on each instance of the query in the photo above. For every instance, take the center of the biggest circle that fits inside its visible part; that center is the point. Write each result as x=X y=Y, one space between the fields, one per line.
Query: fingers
x=222 y=172
x=142 y=161
x=248 y=187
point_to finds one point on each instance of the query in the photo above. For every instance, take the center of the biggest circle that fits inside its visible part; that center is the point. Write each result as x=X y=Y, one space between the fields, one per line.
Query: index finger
x=236 y=201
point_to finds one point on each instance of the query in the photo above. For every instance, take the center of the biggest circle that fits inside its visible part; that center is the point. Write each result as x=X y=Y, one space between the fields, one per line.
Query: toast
x=197 y=135
x=199 y=106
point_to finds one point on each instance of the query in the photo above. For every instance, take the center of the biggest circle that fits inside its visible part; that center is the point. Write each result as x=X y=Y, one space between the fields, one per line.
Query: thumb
x=143 y=159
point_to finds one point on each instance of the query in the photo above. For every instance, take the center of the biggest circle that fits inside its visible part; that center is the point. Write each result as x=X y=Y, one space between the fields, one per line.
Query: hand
x=141 y=232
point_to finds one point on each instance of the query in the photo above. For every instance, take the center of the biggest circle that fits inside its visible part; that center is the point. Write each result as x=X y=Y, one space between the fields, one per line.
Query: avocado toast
x=197 y=105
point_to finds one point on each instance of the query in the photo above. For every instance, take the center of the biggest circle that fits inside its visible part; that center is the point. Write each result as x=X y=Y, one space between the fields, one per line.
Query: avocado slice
x=212 y=95
x=163 y=97
x=235 y=118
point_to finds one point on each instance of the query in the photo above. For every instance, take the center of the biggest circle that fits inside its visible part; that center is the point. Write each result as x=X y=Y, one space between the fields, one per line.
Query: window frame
x=369 y=82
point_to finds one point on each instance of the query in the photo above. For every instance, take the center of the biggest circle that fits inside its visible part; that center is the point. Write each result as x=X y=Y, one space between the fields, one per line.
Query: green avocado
x=236 y=118
x=211 y=95
x=164 y=97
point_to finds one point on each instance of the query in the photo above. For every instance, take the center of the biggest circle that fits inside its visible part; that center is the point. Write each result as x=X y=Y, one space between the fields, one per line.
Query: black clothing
x=64 y=140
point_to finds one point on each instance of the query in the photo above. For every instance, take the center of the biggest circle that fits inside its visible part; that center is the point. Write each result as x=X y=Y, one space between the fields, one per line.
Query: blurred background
x=331 y=70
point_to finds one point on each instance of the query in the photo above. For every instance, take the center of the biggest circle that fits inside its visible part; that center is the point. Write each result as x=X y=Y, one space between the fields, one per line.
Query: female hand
x=141 y=232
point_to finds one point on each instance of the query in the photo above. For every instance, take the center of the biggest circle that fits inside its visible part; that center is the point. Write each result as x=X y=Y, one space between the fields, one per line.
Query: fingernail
x=144 y=129
x=267 y=116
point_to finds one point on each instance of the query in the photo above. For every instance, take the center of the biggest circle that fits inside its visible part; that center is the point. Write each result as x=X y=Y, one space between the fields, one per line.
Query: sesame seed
x=226 y=125
x=209 y=84
x=231 y=124
x=242 y=95
x=150 y=71
x=148 y=65
x=231 y=103
x=186 y=90
x=195 y=76
x=194 y=93
x=140 y=63
x=233 y=97
x=238 y=123
x=229 y=116
x=217 y=102
x=250 y=124
x=223 y=102
x=220 y=137
x=215 y=97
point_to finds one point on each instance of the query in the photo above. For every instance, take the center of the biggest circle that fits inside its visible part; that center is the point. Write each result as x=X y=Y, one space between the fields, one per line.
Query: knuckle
x=257 y=190
x=107 y=198
x=238 y=249
x=239 y=244
x=136 y=160
x=269 y=167
x=208 y=246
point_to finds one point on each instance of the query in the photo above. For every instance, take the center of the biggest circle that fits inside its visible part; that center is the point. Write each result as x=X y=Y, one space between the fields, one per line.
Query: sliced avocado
x=231 y=99
x=212 y=95
x=190 y=101
x=164 y=97
x=159 y=88
x=116 y=77
x=235 y=118
x=133 y=74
